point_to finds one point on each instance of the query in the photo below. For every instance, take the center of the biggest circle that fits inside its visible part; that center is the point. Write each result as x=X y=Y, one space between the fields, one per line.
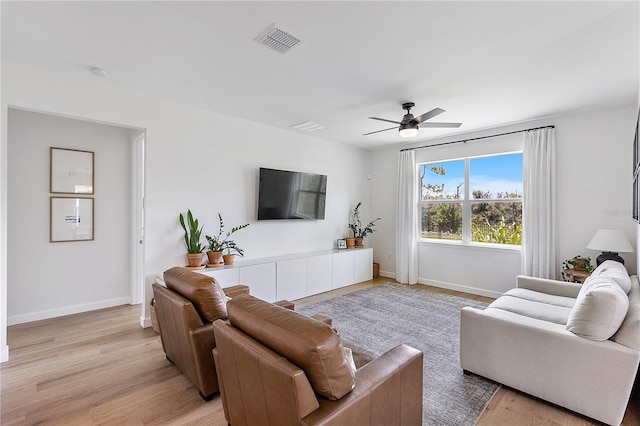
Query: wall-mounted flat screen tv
x=286 y=194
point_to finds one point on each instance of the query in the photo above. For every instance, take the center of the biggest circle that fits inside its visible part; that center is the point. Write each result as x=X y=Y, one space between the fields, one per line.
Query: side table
x=576 y=276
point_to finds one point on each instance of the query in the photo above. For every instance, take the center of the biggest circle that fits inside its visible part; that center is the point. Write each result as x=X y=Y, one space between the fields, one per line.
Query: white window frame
x=466 y=206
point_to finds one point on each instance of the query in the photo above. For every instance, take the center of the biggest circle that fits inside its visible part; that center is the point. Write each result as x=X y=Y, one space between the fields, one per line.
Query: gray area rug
x=386 y=315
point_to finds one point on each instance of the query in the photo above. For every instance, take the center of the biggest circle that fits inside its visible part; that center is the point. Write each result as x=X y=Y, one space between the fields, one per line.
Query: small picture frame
x=71 y=219
x=71 y=171
x=342 y=244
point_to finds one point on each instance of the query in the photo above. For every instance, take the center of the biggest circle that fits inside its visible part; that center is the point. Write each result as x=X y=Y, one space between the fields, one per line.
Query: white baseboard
x=449 y=286
x=145 y=322
x=461 y=288
x=67 y=310
x=388 y=274
x=4 y=354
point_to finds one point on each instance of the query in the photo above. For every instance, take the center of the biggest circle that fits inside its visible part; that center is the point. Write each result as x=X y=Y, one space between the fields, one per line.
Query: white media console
x=295 y=276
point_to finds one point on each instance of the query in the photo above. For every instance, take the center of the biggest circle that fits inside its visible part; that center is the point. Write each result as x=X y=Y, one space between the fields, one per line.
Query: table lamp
x=610 y=242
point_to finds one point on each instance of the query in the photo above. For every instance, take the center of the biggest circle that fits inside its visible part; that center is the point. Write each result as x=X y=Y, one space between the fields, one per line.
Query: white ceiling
x=485 y=63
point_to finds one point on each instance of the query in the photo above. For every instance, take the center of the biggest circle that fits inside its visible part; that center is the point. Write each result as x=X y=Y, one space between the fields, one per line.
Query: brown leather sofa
x=185 y=309
x=279 y=367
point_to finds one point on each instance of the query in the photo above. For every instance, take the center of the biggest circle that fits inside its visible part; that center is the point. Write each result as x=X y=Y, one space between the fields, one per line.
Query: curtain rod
x=480 y=137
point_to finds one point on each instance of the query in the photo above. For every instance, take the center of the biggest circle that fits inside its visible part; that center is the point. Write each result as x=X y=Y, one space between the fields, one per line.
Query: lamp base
x=608 y=255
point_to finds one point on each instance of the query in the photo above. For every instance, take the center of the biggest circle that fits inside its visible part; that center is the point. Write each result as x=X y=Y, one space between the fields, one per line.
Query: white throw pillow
x=599 y=310
x=616 y=271
x=628 y=334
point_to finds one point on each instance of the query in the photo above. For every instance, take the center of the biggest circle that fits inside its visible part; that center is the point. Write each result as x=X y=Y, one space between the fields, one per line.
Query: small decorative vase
x=194 y=259
x=351 y=242
x=359 y=242
x=215 y=257
x=228 y=259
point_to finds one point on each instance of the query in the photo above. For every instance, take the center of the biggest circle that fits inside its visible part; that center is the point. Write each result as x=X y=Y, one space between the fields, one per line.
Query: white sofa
x=575 y=346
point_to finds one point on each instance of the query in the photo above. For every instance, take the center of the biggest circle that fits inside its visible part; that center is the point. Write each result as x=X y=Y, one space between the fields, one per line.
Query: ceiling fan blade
x=428 y=115
x=384 y=119
x=440 y=124
x=383 y=130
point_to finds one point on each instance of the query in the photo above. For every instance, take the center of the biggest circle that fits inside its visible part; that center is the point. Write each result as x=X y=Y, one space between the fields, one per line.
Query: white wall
x=468 y=268
x=52 y=279
x=594 y=191
x=200 y=160
x=595 y=179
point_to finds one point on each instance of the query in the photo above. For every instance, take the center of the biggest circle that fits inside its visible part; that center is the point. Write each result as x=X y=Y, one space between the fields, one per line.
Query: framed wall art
x=342 y=244
x=636 y=172
x=71 y=219
x=635 y=209
x=71 y=171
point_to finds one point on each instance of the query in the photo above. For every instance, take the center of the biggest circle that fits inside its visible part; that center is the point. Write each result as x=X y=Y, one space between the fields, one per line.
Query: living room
x=222 y=152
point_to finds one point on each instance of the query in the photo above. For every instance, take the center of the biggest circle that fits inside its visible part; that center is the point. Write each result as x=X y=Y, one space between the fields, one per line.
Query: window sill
x=505 y=248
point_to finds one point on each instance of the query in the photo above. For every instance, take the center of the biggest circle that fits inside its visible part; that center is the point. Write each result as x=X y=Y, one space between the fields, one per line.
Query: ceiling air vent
x=277 y=39
x=307 y=126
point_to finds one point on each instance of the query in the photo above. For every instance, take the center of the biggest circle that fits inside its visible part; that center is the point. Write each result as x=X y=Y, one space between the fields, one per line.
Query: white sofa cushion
x=614 y=270
x=537 y=296
x=600 y=308
x=629 y=332
x=532 y=309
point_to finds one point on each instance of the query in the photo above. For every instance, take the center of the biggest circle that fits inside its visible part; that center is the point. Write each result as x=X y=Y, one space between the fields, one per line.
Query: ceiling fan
x=409 y=125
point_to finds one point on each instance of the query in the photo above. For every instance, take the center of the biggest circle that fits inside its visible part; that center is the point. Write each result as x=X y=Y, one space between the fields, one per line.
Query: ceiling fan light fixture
x=408 y=131
x=409 y=125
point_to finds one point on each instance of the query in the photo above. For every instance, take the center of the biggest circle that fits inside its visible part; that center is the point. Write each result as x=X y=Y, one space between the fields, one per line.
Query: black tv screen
x=285 y=194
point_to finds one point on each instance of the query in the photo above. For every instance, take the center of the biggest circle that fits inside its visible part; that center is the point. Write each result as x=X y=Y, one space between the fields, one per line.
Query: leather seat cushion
x=203 y=291
x=312 y=345
x=361 y=356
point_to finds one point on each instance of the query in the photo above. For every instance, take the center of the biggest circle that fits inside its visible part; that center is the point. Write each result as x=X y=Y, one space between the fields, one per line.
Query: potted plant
x=220 y=245
x=214 y=254
x=192 y=234
x=355 y=226
x=230 y=250
x=578 y=263
x=216 y=245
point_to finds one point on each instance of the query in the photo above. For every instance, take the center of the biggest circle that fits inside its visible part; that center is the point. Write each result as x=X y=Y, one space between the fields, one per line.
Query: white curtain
x=407 y=219
x=539 y=245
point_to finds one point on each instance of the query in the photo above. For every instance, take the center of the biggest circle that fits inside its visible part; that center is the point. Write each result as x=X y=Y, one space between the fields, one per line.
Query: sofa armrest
x=236 y=290
x=545 y=360
x=323 y=318
x=555 y=287
x=388 y=390
x=287 y=304
x=203 y=342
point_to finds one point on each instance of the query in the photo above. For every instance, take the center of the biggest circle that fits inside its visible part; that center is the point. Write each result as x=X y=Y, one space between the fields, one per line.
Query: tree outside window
x=473 y=199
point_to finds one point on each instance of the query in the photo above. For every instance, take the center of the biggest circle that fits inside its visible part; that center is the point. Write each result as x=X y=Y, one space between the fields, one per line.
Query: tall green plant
x=232 y=248
x=220 y=243
x=192 y=234
x=355 y=225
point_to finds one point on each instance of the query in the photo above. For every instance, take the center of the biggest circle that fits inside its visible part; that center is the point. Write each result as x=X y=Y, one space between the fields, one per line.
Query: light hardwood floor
x=101 y=368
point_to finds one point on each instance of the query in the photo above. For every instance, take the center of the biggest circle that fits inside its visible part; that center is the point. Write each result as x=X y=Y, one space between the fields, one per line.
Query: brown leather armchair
x=185 y=309
x=280 y=367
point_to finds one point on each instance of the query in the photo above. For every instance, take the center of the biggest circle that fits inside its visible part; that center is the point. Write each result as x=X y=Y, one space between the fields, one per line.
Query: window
x=473 y=199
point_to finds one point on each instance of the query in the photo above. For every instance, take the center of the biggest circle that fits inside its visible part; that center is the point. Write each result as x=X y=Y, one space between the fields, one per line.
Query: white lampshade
x=612 y=240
